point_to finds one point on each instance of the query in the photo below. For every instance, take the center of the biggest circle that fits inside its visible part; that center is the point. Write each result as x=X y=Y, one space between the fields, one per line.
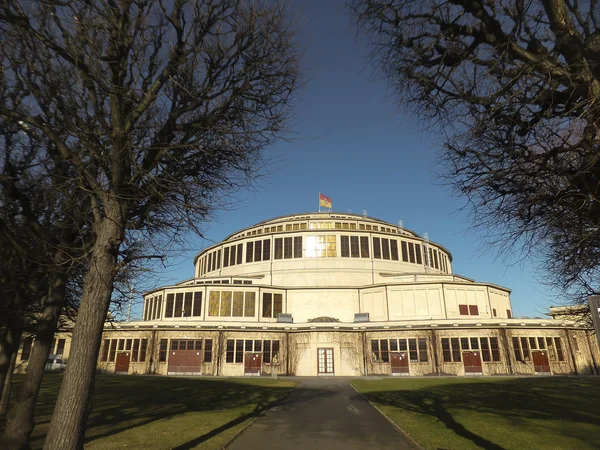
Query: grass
x=164 y=412
x=492 y=413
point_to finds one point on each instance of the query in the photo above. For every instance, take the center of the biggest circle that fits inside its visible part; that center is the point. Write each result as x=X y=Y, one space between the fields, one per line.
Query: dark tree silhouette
x=159 y=107
x=514 y=86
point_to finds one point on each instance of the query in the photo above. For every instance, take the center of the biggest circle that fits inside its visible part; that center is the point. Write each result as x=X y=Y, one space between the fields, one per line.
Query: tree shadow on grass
x=555 y=400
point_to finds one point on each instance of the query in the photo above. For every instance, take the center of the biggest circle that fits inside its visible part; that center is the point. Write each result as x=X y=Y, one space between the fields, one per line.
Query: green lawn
x=492 y=413
x=165 y=412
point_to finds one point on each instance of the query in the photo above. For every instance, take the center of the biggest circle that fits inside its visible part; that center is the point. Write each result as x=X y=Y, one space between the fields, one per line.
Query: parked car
x=55 y=363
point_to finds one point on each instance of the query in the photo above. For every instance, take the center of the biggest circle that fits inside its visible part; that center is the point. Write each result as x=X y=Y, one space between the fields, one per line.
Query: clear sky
x=352 y=143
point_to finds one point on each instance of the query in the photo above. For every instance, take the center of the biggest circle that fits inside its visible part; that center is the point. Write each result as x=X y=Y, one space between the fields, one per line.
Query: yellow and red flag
x=324 y=201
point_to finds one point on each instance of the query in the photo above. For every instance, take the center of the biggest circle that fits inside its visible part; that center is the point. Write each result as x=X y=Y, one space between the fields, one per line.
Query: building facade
x=338 y=294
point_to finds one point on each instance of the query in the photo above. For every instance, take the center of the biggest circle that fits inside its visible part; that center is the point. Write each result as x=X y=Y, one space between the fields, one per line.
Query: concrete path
x=322 y=413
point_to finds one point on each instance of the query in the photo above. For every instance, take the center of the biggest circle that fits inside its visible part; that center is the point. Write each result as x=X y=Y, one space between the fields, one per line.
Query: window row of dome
x=220 y=304
x=319 y=225
x=324 y=246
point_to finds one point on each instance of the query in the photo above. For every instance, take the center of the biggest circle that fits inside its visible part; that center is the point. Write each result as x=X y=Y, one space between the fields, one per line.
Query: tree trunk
x=20 y=423
x=67 y=427
x=8 y=353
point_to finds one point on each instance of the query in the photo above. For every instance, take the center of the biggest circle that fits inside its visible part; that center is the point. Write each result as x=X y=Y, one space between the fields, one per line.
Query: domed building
x=338 y=294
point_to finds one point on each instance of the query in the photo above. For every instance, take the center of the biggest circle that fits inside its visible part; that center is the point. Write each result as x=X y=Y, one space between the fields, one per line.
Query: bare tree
x=159 y=106
x=514 y=87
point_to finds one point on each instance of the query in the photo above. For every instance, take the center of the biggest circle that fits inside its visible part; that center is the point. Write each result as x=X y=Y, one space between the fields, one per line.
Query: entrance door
x=252 y=364
x=399 y=363
x=472 y=362
x=540 y=362
x=185 y=357
x=325 y=361
x=122 y=362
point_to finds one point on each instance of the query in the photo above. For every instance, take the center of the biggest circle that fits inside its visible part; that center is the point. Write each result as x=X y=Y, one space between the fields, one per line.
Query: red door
x=252 y=364
x=472 y=362
x=399 y=363
x=540 y=362
x=122 y=362
x=185 y=357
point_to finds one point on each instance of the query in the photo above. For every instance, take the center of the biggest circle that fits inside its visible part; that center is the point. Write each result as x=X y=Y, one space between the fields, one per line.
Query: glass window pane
x=238 y=304
x=250 y=305
x=225 y=304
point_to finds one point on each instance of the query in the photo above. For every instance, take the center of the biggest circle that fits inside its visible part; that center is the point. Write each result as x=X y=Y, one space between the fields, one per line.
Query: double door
x=399 y=363
x=325 y=361
x=472 y=361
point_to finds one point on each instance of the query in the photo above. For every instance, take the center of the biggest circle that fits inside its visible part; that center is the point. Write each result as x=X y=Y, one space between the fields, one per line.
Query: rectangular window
x=495 y=349
x=354 y=248
x=485 y=349
x=136 y=350
x=525 y=348
x=494 y=313
x=158 y=308
x=232 y=258
x=169 y=309
x=219 y=259
x=558 y=347
x=385 y=248
x=463 y=310
x=464 y=343
x=411 y=252
x=403 y=347
x=213 y=303
x=121 y=344
x=277 y=304
x=385 y=355
x=249 y=251
x=248 y=345
x=187 y=306
x=230 y=351
x=345 y=246
x=473 y=310
x=517 y=349
x=226 y=257
x=105 y=348
x=575 y=344
x=207 y=350
x=128 y=344
x=435 y=259
x=226 y=303
x=364 y=246
x=267 y=310
x=250 y=305
x=266 y=352
x=60 y=347
x=298 y=247
x=412 y=350
x=178 y=304
x=113 y=350
x=418 y=253
x=404 y=251
x=239 y=351
x=238 y=304
x=239 y=253
x=474 y=344
x=532 y=343
x=393 y=345
x=287 y=248
x=447 y=355
x=278 y=248
x=275 y=351
x=394 y=249
x=199 y=345
x=376 y=248
x=508 y=314
x=375 y=355
x=162 y=354
x=197 y=311
x=456 y=356
x=422 y=350
x=257 y=251
x=266 y=256
x=258 y=346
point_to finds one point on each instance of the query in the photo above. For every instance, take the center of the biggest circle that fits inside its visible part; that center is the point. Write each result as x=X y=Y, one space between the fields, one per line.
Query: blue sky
x=352 y=143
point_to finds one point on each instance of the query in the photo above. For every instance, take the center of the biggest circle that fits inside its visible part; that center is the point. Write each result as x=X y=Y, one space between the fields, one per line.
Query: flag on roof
x=324 y=201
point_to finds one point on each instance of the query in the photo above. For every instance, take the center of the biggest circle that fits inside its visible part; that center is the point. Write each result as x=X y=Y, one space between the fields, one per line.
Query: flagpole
x=319 y=202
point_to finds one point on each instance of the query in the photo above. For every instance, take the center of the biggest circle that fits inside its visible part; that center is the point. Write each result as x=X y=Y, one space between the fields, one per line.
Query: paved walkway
x=322 y=413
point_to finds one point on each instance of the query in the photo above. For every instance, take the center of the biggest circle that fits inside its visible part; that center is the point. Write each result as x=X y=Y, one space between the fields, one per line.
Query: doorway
x=399 y=363
x=122 y=362
x=252 y=364
x=472 y=362
x=540 y=362
x=325 y=361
